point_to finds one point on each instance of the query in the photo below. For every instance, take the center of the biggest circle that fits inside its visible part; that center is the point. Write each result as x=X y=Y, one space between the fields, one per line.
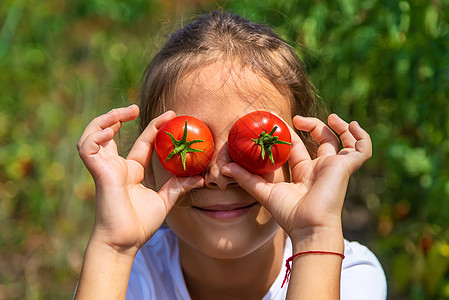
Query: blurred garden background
x=384 y=63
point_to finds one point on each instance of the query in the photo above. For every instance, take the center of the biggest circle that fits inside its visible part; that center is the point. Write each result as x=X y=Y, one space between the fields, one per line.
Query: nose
x=213 y=177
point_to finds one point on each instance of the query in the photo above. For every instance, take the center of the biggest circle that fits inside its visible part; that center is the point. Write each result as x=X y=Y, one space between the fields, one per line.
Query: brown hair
x=221 y=36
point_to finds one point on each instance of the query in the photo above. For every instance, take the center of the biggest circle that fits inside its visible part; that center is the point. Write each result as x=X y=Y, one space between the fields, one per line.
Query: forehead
x=223 y=92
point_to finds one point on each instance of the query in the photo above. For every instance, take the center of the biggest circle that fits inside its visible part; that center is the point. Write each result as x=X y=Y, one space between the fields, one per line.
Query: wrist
x=318 y=239
x=314 y=268
x=123 y=251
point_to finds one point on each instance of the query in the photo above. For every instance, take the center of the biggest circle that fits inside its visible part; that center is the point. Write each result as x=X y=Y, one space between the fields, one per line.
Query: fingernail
x=225 y=170
x=298 y=118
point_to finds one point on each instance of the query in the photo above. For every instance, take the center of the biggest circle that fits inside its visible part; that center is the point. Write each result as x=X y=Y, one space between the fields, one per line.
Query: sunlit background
x=383 y=63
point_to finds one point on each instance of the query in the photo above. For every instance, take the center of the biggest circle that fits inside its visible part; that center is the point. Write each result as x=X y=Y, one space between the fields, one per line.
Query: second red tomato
x=260 y=142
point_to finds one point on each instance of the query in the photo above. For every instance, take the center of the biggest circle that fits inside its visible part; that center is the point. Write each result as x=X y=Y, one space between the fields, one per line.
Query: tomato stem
x=267 y=140
x=182 y=146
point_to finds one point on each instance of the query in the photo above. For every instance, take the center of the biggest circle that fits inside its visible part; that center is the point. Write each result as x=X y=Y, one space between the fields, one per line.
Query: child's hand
x=127 y=212
x=312 y=202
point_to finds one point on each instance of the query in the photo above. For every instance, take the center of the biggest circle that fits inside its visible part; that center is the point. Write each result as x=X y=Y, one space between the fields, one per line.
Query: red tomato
x=260 y=142
x=185 y=146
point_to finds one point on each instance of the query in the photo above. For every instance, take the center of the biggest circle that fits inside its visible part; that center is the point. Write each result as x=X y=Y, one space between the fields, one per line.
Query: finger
x=177 y=186
x=112 y=119
x=255 y=185
x=327 y=140
x=341 y=127
x=298 y=151
x=92 y=146
x=363 y=142
x=142 y=149
x=93 y=142
x=362 y=148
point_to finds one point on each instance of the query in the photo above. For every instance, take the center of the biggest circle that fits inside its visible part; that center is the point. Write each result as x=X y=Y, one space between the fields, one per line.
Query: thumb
x=177 y=186
x=255 y=185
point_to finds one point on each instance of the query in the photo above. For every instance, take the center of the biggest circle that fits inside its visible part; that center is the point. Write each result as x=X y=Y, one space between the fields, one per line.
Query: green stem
x=266 y=141
x=182 y=146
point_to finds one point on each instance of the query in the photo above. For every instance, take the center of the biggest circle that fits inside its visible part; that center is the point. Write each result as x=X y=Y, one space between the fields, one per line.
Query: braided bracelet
x=289 y=269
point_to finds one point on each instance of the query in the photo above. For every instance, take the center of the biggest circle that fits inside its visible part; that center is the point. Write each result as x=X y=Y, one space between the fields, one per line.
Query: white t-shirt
x=156 y=273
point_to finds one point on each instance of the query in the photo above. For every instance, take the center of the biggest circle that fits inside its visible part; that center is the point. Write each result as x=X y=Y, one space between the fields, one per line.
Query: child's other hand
x=127 y=212
x=312 y=202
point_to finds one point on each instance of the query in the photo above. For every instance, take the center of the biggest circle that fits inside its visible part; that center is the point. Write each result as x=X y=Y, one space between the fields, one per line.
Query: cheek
x=282 y=174
x=160 y=175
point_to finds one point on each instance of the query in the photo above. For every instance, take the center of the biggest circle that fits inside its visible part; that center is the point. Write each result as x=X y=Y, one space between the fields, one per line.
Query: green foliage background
x=383 y=63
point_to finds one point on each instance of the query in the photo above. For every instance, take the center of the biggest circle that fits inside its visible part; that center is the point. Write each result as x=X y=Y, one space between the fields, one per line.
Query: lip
x=225 y=212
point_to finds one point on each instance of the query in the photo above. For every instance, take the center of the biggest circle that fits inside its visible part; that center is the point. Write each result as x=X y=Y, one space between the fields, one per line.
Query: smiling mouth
x=225 y=211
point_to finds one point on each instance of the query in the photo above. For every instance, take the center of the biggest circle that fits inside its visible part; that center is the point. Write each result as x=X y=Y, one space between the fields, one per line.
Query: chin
x=201 y=225
x=233 y=247
x=223 y=240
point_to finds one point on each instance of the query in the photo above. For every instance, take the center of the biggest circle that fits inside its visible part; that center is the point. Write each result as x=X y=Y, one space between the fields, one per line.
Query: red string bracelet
x=289 y=269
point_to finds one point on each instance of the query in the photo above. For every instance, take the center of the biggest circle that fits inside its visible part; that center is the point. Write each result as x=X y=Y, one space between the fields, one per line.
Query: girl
x=229 y=232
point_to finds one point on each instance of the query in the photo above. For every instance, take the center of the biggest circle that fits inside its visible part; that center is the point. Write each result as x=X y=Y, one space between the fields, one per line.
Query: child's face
x=219 y=96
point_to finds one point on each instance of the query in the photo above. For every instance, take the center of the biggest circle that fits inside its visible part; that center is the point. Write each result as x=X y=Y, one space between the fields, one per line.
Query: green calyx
x=266 y=141
x=182 y=147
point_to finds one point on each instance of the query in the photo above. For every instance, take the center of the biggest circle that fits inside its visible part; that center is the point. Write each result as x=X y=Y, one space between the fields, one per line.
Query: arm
x=309 y=207
x=105 y=273
x=127 y=213
x=317 y=276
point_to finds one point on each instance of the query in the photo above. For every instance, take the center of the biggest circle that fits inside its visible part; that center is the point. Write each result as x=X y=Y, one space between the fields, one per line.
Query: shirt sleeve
x=362 y=276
